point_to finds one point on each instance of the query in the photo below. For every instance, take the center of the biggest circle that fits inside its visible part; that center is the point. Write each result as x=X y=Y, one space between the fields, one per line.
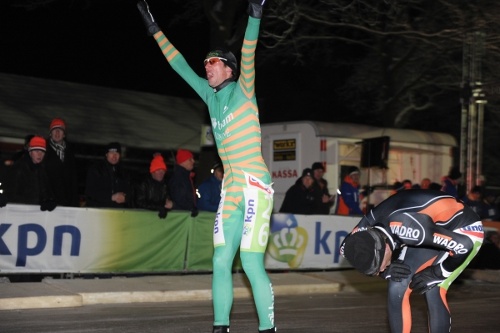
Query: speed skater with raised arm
x=242 y=219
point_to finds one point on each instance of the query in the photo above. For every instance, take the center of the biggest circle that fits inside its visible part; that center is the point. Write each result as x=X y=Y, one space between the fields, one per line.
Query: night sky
x=100 y=42
x=104 y=43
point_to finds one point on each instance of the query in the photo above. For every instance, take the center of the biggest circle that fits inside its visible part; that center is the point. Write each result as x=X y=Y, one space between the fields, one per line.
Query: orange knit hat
x=183 y=155
x=57 y=123
x=37 y=143
x=157 y=164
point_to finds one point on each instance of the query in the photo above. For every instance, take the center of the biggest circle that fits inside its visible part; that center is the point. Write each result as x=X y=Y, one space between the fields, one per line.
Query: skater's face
x=217 y=71
x=386 y=261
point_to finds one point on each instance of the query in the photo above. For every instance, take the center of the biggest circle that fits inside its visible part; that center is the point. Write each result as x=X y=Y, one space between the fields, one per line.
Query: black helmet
x=226 y=56
x=365 y=250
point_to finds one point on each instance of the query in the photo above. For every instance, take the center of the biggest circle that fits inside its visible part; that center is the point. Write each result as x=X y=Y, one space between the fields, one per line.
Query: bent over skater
x=242 y=219
x=420 y=241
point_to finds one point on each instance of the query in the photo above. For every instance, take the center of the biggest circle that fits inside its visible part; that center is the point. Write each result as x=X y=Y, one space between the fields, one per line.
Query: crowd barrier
x=90 y=240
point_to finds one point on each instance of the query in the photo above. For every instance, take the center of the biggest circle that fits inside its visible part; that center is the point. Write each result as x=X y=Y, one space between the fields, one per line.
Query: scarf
x=59 y=148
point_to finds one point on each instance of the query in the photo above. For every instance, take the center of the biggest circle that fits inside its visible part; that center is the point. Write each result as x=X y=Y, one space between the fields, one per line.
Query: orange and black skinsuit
x=424 y=228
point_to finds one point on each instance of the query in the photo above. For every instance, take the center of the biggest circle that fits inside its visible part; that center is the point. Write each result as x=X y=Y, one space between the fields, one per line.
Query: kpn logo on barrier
x=288 y=241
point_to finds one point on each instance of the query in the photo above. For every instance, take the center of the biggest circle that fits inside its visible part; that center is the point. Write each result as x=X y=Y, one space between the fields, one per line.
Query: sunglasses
x=213 y=60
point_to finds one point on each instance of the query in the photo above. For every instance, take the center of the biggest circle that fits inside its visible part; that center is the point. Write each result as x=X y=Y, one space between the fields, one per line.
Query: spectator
x=404 y=185
x=61 y=165
x=108 y=185
x=299 y=199
x=435 y=186
x=407 y=184
x=210 y=189
x=181 y=186
x=473 y=200
x=425 y=184
x=348 y=200
x=324 y=201
x=449 y=183
x=396 y=187
x=16 y=156
x=152 y=192
x=488 y=256
x=27 y=182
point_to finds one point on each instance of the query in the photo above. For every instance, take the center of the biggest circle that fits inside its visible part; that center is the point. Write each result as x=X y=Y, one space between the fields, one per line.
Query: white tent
x=98 y=115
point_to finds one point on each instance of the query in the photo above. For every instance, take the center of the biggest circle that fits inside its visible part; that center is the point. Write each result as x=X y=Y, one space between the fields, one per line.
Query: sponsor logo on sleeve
x=449 y=243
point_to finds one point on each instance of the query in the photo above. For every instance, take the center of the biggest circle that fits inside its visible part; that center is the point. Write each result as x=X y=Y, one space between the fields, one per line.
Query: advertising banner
x=85 y=240
x=90 y=240
x=307 y=241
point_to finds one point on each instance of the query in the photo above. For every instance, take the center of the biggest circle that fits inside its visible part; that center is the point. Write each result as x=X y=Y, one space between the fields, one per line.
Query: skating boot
x=271 y=330
x=221 y=329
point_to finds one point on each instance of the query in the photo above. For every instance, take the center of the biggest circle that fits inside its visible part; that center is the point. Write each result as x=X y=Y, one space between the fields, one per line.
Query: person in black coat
x=324 y=200
x=27 y=181
x=300 y=197
x=152 y=192
x=210 y=189
x=181 y=184
x=108 y=185
x=61 y=165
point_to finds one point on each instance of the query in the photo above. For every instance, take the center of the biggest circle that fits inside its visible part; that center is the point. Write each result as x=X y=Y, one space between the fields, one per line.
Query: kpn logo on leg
x=288 y=241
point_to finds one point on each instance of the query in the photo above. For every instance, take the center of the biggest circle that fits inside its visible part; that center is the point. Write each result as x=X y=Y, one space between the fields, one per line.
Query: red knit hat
x=157 y=164
x=37 y=143
x=183 y=155
x=57 y=123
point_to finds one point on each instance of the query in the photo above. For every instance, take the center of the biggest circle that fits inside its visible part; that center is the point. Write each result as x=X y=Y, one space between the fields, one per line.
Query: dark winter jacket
x=27 y=183
x=209 y=194
x=182 y=189
x=151 y=194
x=299 y=200
x=104 y=180
x=321 y=189
x=62 y=176
x=450 y=186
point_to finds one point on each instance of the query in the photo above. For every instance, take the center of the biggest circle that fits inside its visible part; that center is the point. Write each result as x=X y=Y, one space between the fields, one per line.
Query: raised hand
x=255 y=8
x=148 y=18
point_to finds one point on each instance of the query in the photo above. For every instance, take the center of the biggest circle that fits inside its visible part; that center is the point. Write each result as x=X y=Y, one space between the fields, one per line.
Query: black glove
x=162 y=213
x=194 y=212
x=255 y=8
x=397 y=271
x=148 y=19
x=427 y=279
x=48 y=205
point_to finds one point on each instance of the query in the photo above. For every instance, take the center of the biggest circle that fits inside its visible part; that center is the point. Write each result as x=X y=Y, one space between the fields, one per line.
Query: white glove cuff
x=444 y=272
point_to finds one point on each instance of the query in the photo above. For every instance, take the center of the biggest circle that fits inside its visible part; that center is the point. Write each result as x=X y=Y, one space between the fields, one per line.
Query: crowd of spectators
x=45 y=173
